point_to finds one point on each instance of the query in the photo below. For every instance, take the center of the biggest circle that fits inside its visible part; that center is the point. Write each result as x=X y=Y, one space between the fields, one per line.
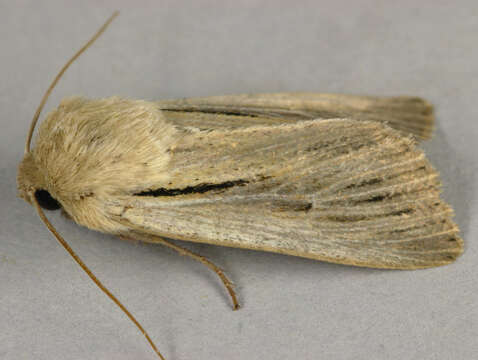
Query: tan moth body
x=331 y=177
x=340 y=190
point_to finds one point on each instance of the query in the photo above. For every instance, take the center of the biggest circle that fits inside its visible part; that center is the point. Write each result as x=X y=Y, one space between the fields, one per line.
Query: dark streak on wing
x=211 y=111
x=253 y=112
x=197 y=189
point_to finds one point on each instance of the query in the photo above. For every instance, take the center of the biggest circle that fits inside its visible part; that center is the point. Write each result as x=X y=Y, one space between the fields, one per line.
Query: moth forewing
x=349 y=192
x=408 y=114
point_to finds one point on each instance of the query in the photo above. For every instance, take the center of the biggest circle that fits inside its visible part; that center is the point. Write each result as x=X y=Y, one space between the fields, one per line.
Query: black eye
x=46 y=201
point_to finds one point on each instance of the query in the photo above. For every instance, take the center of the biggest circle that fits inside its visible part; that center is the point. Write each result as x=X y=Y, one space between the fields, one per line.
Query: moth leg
x=183 y=251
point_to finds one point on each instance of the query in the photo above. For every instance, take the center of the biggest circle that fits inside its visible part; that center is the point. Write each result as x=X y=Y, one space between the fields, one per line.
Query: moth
x=335 y=178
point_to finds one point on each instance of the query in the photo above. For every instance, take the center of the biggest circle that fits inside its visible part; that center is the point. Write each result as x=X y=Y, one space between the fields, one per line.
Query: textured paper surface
x=292 y=307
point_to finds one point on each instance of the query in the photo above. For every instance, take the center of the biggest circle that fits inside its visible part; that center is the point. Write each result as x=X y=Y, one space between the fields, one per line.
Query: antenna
x=58 y=77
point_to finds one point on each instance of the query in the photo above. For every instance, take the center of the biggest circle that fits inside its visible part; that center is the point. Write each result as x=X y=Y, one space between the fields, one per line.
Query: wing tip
x=454 y=247
x=408 y=114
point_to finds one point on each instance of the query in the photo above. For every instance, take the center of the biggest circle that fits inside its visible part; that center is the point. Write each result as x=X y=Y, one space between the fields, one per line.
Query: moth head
x=31 y=184
x=36 y=187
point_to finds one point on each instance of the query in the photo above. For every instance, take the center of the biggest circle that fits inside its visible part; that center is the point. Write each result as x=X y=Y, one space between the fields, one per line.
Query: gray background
x=292 y=308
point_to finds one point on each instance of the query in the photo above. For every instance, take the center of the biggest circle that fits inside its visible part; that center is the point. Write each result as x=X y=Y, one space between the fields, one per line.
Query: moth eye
x=46 y=201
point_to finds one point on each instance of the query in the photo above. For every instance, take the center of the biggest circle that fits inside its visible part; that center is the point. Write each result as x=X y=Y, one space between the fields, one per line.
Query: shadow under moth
x=336 y=178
